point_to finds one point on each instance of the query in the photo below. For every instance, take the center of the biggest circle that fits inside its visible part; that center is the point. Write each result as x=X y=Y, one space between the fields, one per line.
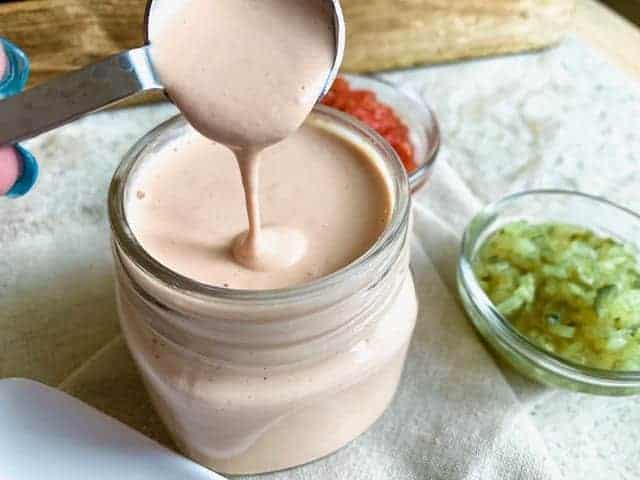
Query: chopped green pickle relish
x=568 y=290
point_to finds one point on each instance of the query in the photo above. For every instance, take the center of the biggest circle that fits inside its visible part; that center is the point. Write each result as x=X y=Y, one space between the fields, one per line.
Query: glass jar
x=258 y=381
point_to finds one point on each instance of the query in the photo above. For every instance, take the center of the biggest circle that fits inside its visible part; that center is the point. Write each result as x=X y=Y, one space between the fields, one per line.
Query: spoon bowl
x=110 y=81
x=157 y=11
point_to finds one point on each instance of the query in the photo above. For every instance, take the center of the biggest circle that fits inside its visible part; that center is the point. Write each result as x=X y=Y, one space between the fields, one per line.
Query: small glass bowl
x=597 y=214
x=424 y=130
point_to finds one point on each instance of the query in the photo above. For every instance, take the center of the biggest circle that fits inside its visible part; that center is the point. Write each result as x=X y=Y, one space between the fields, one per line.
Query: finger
x=18 y=168
x=14 y=68
x=18 y=171
x=10 y=169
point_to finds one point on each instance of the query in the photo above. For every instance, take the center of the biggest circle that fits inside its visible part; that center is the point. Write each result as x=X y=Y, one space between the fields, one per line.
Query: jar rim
x=125 y=239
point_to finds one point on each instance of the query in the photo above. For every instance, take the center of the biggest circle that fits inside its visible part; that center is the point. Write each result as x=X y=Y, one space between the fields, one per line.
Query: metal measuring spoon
x=100 y=85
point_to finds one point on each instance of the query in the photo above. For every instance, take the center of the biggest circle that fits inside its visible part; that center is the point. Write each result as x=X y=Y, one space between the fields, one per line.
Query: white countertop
x=561 y=118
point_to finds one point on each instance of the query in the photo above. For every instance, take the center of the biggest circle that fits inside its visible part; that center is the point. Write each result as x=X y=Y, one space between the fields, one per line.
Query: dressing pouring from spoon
x=244 y=73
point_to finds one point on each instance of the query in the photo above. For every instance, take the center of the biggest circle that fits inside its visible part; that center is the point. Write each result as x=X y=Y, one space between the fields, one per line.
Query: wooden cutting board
x=385 y=34
x=60 y=35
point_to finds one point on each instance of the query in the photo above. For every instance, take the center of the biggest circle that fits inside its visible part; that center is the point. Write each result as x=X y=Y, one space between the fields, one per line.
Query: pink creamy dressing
x=256 y=198
x=324 y=195
x=247 y=73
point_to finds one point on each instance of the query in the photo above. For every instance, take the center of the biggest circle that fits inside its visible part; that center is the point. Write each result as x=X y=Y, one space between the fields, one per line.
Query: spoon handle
x=74 y=95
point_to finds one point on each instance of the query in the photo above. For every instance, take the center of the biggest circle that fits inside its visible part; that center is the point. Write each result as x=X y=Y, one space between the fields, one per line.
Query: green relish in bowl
x=570 y=291
x=551 y=281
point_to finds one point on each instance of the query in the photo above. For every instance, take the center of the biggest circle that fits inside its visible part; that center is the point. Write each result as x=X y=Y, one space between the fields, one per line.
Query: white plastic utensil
x=46 y=434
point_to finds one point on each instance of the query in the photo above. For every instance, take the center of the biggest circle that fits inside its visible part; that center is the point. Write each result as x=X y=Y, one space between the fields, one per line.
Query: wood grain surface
x=627 y=8
x=617 y=38
x=61 y=35
x=385 y=34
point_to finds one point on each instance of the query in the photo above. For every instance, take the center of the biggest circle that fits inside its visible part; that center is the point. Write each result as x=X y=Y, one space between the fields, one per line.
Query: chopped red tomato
x=364 y=105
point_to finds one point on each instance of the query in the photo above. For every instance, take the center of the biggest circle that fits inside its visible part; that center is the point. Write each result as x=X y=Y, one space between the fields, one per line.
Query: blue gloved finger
x=28 y=176
x=12 y=81
x=16 y=73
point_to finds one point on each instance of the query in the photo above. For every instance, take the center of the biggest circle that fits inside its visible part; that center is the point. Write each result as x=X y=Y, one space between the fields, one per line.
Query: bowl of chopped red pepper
x=405 y=121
